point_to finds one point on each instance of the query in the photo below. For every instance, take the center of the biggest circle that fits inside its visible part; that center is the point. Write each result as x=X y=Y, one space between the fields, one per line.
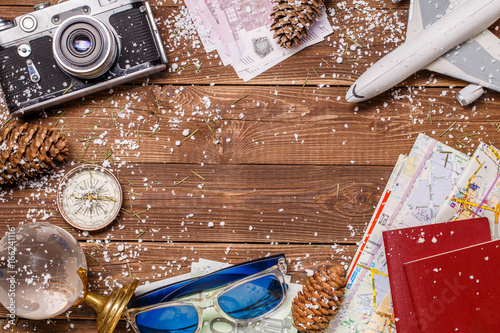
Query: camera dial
x=41 y=5
x=24 y=50
x=5 y=24
x=84 y=47
x=28 y=23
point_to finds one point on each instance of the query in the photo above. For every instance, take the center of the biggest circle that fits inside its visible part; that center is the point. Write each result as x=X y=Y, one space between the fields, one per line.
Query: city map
x=477 y=191
x=417 y=188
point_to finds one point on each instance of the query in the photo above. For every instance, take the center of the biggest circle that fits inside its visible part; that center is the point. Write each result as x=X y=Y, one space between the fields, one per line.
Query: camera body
x=66 y=51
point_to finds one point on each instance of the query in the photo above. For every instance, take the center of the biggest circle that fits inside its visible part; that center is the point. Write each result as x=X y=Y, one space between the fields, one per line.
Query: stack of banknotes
x=240 y=32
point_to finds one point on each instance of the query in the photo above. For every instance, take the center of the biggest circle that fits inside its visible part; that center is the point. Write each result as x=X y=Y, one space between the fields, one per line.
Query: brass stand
x=109 y=309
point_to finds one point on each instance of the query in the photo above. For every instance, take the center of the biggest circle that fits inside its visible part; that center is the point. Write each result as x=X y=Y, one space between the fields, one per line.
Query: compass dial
x=89 y=197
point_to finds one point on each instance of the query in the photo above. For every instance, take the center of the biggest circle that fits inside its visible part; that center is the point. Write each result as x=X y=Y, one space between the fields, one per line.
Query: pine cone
x=315 y=306
x=29 y=150
x=293 y=19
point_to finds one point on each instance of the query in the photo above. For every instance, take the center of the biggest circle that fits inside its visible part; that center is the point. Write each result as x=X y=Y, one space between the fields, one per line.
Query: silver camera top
x=66 y=51
x=46 y=19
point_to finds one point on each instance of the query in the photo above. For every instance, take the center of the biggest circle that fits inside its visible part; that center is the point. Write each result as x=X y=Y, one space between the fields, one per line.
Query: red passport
x=408 y=244
x=457 y=291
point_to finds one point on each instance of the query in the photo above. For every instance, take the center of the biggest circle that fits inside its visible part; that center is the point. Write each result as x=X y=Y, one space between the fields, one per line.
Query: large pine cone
x=315 y=306
x=293 y=19
x=29 y=150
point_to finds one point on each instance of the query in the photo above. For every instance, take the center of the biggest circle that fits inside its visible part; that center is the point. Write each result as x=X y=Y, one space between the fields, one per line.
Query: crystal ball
x=38 y=270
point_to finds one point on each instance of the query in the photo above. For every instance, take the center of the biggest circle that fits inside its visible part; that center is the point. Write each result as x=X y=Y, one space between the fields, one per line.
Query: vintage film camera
x=75 y=48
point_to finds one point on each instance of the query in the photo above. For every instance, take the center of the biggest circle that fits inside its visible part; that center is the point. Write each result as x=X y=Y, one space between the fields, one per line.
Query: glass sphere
x=38 y=270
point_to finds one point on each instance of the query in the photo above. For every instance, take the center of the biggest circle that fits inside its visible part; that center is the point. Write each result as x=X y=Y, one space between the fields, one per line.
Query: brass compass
x=89 y=197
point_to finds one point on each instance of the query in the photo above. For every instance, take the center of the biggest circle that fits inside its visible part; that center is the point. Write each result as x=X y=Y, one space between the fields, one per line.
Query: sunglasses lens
x=252 y=299
x=169 y=319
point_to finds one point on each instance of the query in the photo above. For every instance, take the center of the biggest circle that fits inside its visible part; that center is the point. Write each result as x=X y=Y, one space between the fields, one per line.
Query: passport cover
x=408 y=244
x=457 y=291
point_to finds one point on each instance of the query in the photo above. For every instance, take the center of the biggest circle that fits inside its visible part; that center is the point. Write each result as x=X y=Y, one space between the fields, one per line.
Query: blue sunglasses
x=240 y=293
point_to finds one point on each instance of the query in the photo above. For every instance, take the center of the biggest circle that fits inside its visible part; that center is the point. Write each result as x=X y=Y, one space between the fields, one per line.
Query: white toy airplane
x=445 y=37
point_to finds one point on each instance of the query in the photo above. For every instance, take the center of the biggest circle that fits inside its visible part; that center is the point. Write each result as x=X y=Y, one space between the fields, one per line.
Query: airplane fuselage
x=454 y=28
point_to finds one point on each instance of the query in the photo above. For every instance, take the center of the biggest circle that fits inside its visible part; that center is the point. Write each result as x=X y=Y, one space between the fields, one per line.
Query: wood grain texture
x=291 y=167
x=377 y=28
x=179 y=3
x=251 y=204
x=272 y=125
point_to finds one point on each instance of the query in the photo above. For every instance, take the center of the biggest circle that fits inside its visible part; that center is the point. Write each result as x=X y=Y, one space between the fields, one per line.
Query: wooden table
x=291 y=167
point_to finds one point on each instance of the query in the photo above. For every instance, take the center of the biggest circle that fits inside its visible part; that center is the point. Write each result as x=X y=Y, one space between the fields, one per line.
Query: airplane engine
x=469 y=94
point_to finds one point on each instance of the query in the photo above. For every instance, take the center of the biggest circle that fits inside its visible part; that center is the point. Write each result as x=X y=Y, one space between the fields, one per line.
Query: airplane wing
x=476 y=60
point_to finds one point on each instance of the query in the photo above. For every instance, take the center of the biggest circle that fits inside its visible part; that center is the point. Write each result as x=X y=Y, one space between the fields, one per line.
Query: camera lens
x=82 y=44
x=84 y=47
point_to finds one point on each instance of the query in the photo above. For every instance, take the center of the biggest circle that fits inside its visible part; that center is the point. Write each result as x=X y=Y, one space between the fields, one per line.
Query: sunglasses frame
x=279 y=270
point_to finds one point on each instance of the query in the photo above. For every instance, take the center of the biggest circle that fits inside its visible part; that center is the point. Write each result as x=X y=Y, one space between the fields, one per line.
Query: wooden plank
x=337 y=45
x=272 y=125
x=311 y=63
x=255 y=204
x=157 y=261
x=286 y=169
x=178 y=3
x=178 y=41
